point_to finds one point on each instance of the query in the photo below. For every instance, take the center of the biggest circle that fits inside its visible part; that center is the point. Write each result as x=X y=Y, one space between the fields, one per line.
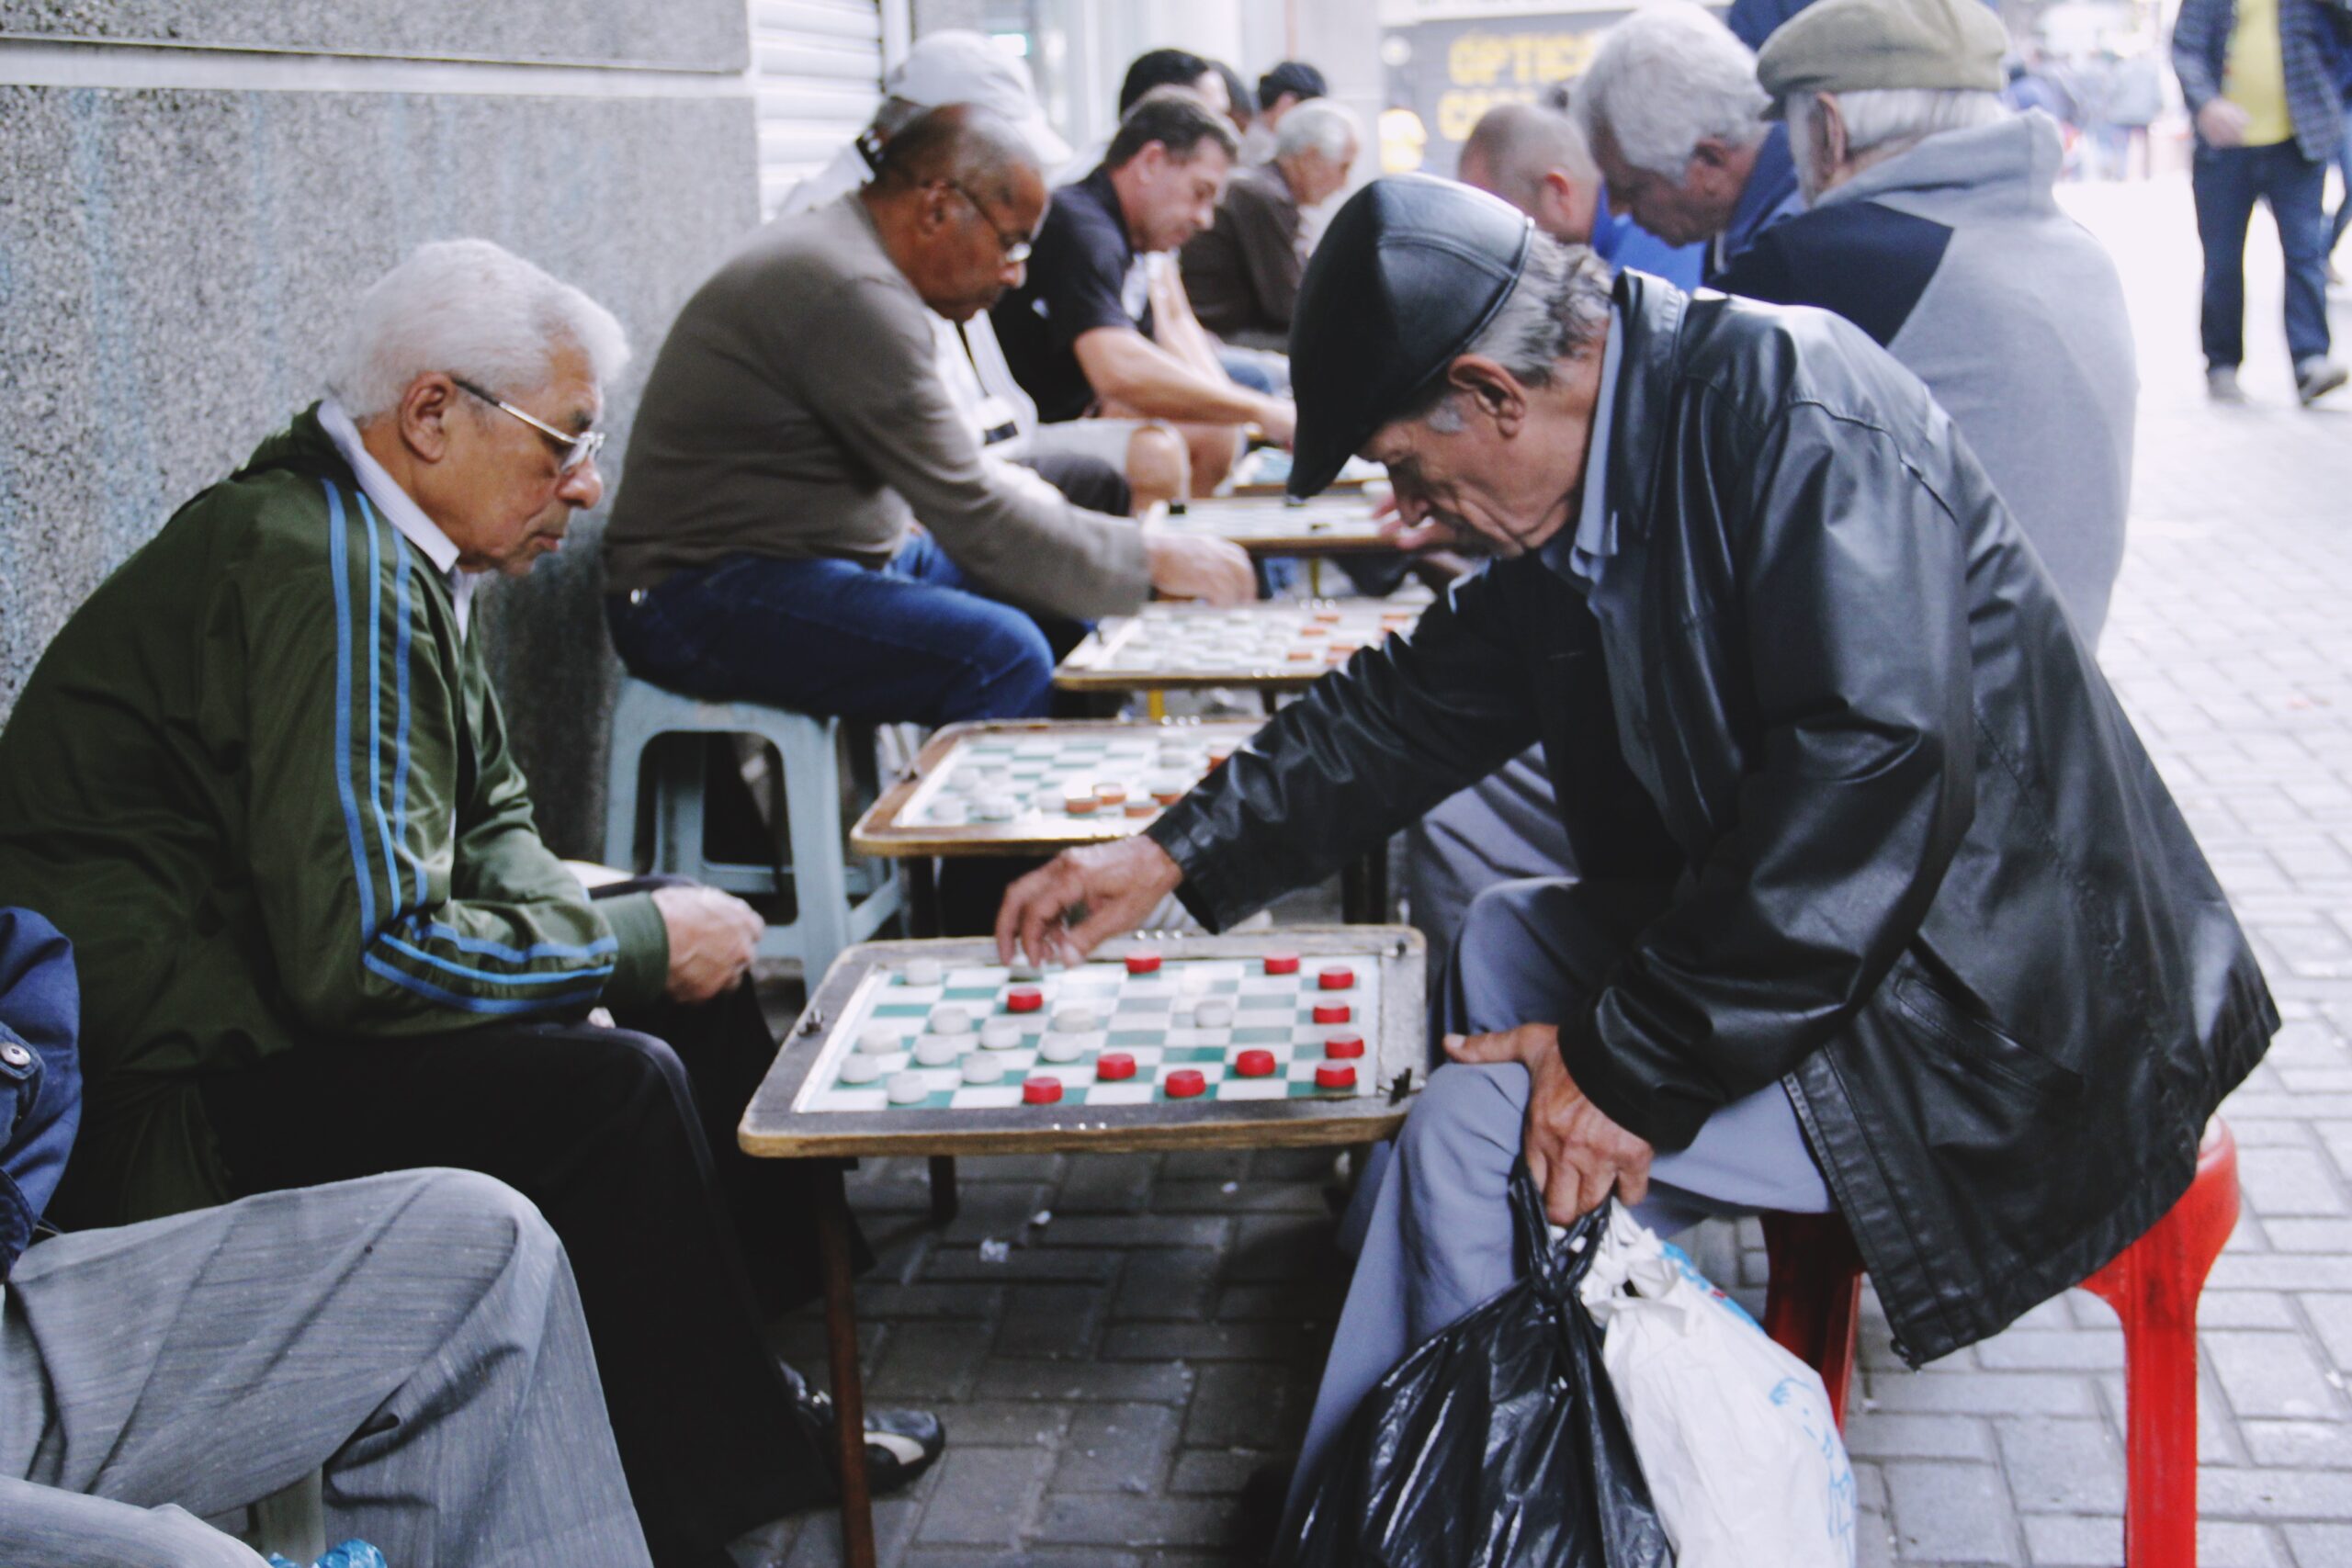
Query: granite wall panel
x=173 y=266
x=694 y=35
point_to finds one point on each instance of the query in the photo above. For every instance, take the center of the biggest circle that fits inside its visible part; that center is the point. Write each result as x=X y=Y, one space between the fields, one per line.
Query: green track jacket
x=263 y=783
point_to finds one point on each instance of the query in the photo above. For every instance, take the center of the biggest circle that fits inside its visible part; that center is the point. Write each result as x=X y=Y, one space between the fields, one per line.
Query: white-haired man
x=1672 y=112
x=1242 y=271
x=261 y=780
x=1935 y=229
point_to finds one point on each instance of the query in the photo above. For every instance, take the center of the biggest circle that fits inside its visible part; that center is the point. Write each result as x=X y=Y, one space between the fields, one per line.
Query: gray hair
x=466 y=308
x=1665 y=79
x=1884 y=120
x=1319 y=125
x=1558 y=308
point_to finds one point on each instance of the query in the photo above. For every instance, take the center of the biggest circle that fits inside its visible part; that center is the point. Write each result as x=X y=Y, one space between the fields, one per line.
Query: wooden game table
x=1272 y=646
x=799 y=1111
x=904 y=822
x=1276 y=525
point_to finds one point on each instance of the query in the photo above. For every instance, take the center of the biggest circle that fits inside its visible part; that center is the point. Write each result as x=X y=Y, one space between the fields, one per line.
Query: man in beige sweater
x=793 y=430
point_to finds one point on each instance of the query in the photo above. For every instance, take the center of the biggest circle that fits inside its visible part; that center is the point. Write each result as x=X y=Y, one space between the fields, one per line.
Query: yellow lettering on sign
x=1526 y=60
x=1458 y=112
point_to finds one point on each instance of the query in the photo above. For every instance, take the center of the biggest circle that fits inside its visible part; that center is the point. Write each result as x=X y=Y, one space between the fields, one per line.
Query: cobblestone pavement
x=1110 y=1386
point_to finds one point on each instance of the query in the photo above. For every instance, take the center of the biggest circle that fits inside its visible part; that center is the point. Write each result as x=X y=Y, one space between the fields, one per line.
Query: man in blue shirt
x=1672 y=112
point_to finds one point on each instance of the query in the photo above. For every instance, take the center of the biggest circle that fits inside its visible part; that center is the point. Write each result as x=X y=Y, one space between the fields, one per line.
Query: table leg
x=943 y=1201
x=1155 y=705
x=849 y=1387
x=922 y=896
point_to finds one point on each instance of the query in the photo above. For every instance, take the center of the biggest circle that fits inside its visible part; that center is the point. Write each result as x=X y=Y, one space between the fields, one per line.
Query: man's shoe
x=899 y=1444
x=2222 y=385
x=2317 y=376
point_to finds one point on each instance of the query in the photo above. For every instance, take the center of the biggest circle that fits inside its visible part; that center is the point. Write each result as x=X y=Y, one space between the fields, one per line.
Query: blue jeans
x=910 y=643
x=2227 y=182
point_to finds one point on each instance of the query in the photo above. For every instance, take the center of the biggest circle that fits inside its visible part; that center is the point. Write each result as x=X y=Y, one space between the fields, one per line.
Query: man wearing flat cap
x=1882 y=909
x=1934 y=226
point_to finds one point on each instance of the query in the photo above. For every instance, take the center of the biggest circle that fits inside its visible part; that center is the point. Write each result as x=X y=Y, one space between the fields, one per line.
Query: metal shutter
x=817 y=70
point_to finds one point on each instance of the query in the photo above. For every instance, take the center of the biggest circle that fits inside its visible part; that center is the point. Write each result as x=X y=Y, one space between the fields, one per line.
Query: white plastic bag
x=1735 y=1434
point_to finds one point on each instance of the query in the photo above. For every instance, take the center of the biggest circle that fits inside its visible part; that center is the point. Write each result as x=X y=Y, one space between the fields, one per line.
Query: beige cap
x=1851 y=46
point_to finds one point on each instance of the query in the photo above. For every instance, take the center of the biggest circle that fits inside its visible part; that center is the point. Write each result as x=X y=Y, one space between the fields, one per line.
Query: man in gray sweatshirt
x=1933 y=228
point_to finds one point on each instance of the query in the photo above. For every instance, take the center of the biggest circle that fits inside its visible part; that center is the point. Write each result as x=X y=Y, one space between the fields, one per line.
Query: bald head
x=1535 y=160
x=964 y=143
x=956 y=199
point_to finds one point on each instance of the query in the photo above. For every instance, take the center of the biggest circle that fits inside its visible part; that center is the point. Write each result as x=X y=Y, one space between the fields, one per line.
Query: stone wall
x=179 y=226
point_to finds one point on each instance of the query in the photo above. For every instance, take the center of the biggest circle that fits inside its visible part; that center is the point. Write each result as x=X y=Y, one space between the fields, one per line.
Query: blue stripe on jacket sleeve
x=339 y=558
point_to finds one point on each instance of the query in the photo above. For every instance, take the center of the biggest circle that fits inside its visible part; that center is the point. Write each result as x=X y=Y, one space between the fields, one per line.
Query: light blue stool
x=835 y=904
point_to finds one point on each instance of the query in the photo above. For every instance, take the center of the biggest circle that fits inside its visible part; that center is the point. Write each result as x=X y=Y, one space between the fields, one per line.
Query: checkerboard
x=1283 y=642
x=1159 y=1021
x=1058 y=779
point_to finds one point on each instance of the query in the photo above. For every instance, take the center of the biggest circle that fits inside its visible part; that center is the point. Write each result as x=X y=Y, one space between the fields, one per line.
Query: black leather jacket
x=1923 y=871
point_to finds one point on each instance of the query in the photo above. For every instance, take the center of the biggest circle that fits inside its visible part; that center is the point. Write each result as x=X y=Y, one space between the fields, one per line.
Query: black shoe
x=899 y=1444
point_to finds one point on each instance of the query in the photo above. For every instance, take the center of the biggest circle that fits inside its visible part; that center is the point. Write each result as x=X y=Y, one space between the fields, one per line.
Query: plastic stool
x=835 y=904
x=1814 y=1298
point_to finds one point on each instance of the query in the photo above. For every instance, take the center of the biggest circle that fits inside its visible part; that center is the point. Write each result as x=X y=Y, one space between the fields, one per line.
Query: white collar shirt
x=399 y=508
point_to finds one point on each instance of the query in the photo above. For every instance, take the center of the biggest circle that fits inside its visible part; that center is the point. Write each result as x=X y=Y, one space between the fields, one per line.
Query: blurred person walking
x=2264 y=80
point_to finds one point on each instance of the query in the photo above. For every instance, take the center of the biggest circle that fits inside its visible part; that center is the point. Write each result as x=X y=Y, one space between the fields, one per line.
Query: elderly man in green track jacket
x=261 y=780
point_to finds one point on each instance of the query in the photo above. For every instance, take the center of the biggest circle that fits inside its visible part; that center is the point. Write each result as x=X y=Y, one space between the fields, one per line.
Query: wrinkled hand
x=2222 y=123
x=1184 y=566
x=712 y=938
x=1576 y=1154
x=1061 y=912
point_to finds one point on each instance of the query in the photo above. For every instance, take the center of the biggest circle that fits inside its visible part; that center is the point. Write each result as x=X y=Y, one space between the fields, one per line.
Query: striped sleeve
x=361 y=768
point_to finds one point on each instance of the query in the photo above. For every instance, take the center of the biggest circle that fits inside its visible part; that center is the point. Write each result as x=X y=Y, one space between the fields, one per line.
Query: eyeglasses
x=572 y=451
x=1016 y=246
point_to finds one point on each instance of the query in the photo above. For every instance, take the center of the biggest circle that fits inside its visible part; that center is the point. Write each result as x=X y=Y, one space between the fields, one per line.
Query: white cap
x=959 y=66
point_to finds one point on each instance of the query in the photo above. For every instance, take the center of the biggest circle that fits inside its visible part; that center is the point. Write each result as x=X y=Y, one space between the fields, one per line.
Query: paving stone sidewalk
x=1154 y=1334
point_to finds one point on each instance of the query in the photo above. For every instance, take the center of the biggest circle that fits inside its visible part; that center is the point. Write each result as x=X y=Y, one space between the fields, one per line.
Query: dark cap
x=1411 y=269
x=1295 y=77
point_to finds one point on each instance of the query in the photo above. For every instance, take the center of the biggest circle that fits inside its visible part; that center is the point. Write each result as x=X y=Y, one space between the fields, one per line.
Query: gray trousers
x=1438 y=1241
x=1505 y=826
x=416 y=1335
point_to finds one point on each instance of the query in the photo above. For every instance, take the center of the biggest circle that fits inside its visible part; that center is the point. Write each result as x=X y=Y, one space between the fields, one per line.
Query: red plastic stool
x=1815 y=1299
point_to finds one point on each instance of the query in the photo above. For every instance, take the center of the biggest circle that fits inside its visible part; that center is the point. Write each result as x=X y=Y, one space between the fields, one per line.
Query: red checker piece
x=1040 y=1092
x=1143 y=964
x=1335 y=1075
x=1255 y=1064
x=1336 y=979
x=1282 y=964
x=1343 y=1047
x=1024 y=999
x=1113 y=1066
x=1333 y=1012
x=1186 y=1083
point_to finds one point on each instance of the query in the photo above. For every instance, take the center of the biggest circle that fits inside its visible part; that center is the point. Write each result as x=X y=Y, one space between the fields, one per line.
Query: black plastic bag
x=1500 y=1442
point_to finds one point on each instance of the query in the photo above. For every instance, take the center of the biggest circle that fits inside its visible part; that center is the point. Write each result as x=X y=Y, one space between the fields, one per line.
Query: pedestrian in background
x=2264 y=80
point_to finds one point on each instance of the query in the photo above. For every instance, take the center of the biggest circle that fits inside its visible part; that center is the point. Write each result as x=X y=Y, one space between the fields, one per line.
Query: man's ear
x=1829 y=130
x=1491 y=389
x=424 y=411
